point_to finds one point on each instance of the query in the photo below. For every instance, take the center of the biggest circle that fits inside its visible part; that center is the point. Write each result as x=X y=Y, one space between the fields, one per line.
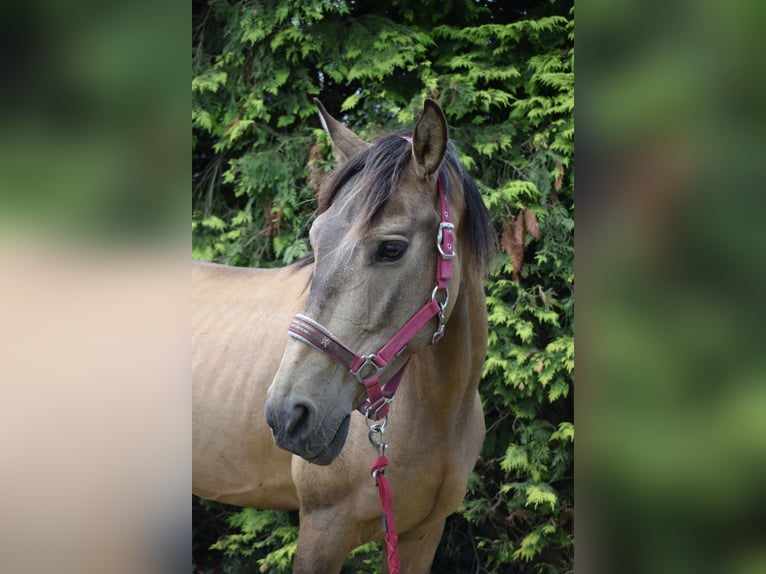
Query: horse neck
x=443 y=378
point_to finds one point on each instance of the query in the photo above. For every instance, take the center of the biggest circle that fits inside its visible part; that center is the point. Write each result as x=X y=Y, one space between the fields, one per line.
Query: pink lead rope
x=378 y=472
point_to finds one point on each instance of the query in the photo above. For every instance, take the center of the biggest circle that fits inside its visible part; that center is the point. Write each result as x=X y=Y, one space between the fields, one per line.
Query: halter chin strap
x=366 y=368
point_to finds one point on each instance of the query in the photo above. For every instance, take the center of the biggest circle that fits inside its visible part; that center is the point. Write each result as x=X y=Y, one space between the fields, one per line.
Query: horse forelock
x=371 y=177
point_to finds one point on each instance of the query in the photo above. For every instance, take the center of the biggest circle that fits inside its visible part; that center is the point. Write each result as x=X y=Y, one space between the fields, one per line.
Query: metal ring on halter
x=369 y=361
x=442 y=304
x=376 y=427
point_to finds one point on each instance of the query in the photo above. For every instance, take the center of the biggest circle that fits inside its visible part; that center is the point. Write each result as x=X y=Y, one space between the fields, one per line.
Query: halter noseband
x=366 y=368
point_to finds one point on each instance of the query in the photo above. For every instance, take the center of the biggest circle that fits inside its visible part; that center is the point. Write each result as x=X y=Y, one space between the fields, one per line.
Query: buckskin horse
x=400 y=245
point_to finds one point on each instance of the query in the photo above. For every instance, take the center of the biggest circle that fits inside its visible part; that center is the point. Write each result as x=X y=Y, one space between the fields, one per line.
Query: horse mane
x=377 y=172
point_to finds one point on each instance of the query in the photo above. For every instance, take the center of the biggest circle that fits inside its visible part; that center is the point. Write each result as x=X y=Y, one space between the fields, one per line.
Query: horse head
x=375 y=256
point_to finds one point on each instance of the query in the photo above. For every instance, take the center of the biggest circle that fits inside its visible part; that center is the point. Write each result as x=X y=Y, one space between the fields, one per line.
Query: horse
x=276 y=384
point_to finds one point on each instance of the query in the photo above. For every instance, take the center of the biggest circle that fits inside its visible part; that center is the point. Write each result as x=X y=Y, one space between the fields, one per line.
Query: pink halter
x=366 y=368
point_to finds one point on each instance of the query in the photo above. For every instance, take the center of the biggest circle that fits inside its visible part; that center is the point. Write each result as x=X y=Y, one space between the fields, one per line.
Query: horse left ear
x=345 y=143
x=429 y=141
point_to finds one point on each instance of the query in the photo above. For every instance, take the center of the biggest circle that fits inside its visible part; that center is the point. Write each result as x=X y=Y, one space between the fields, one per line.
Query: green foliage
x=504 y=77
x=258 y=530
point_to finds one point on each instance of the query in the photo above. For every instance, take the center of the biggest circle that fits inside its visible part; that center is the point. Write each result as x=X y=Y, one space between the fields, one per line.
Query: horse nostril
x=291 y=421
x=299 y=416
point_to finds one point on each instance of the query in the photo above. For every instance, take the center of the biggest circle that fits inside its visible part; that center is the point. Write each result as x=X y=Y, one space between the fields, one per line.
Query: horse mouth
x=332 y=448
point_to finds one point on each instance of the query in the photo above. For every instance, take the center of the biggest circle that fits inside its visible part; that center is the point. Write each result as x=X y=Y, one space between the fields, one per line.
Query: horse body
x=374 y=266
x=239 y=317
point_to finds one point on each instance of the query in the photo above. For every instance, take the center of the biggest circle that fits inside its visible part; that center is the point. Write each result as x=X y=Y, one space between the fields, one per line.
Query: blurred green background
x=90 y=118
x=672 y=401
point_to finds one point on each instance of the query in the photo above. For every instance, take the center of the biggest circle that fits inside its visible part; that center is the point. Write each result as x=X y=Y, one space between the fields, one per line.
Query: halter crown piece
x=366 y=368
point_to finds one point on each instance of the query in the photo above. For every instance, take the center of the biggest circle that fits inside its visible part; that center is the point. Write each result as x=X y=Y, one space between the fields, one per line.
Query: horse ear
x=345 y=143
x=429 y=141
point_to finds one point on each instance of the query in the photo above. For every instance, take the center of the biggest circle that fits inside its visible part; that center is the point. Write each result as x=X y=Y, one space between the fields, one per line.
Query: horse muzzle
x=297 y=428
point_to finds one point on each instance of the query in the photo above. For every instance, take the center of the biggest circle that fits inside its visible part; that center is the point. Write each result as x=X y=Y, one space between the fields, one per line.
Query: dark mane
x=481 y=234
x=378 y=171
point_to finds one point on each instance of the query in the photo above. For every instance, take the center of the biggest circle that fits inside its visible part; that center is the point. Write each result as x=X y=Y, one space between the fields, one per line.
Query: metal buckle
x=369 y=361
x=440 y=237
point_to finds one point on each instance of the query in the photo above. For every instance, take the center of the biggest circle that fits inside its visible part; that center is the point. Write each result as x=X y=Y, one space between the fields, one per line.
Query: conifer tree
x=505 y=78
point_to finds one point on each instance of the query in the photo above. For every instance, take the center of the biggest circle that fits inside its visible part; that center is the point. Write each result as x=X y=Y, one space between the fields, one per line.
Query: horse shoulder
x=239 y=330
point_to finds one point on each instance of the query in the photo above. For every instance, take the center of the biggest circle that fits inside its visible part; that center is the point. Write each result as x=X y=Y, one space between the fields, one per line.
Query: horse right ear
x=429 y=140
x=345 y=143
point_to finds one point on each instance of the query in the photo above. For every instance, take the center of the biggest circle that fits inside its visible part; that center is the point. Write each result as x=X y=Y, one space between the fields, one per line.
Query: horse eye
x=390 y=251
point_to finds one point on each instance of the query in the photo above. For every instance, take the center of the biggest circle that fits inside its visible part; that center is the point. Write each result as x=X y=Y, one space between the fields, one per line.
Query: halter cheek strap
x=366 y=368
